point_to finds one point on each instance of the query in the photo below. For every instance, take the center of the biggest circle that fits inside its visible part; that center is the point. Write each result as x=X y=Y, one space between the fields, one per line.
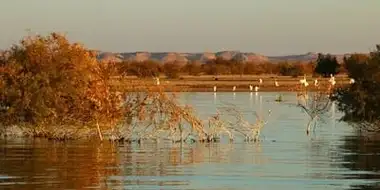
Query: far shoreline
x=225 y=83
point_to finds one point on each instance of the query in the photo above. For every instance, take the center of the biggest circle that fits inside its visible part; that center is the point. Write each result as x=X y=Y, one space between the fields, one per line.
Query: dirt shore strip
x=242 y=83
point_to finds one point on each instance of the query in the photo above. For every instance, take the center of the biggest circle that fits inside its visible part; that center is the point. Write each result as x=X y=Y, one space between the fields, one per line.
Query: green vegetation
x=327 y=65
x=360 y=100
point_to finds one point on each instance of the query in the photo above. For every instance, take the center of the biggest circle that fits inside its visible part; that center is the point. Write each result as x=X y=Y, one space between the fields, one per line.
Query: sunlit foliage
x=57 y=89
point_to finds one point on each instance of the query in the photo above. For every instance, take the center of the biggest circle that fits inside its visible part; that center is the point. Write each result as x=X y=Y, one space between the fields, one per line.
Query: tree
x=52 y=88
x=306 y=67
x=237 y=65
x=270 y=68
x=360 y=102
x=287 y=69
x=253 y=68
x=49 y=81
x=217 y=66
x=193 y=68
x=144 y=69
x=326 y=65
x=172 y=70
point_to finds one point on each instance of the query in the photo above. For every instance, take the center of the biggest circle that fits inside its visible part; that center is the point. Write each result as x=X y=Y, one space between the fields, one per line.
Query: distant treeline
x=324 y=65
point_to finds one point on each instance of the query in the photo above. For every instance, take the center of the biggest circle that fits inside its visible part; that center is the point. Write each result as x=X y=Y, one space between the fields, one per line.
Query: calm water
x=286 y=159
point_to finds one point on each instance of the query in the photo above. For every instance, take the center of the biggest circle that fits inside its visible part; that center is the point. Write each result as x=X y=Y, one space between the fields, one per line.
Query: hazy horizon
x=270 y=27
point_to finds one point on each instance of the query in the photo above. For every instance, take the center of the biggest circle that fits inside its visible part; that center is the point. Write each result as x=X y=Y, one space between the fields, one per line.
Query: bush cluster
x=325 y=65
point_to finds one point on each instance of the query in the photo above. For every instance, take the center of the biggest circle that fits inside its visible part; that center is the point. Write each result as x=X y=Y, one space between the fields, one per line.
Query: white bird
x=303 y=81
x=276 y=83
x=352 y=81
x=157 y=81
x=214 y=88
x=332 y=80
x=316 y=82
x=234 y=88
x=250 y=88
x=256 y=88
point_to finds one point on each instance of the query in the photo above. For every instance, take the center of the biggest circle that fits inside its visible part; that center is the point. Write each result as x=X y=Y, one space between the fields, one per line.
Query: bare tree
x=316 y=106
x=235 y=123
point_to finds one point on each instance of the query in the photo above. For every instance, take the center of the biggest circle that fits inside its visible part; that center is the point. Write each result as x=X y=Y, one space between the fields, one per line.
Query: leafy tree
x=237 y=67
x=360 y=101
x=49 y=81
x=172 y=69
x=326 y=65
x=193 y=68
x=287 y=69
x=251 y=68
x=306 y=67
x=144 y=69
x=217 y=66
x=270 y=68
x=52 y=88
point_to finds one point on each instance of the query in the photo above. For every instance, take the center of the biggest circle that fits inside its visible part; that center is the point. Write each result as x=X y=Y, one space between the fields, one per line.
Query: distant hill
x=302 y=57
x=164 y=57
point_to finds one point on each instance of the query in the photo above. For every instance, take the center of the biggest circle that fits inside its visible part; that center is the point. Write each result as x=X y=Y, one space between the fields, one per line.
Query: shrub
x=172 y=70
x=48 y=81
x=326 y=65
x=287 y=69
x=193 y=68
x=143 y=69
x=52 y=88
x=360 y=101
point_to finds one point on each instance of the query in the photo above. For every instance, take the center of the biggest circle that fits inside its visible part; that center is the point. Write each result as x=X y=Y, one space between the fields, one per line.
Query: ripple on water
x=287 y=159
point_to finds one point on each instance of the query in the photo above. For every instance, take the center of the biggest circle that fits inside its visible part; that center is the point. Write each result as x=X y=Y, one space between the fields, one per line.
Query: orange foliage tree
x=47 y=81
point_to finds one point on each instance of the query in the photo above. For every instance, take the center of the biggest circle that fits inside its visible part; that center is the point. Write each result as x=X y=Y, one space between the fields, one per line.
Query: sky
x=269 y=27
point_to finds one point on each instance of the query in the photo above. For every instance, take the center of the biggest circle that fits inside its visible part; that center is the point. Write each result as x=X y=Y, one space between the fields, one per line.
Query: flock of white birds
x=303 y=82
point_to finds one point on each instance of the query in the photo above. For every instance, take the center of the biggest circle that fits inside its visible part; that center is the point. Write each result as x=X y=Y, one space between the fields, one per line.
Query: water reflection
x=251 y=100
x=362 y=157
x=178 y=166
x=30 y=164
x=74 y=165
x=286 y=159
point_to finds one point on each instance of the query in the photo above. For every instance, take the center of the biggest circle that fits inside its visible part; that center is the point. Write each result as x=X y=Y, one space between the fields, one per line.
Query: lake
x=331 y=158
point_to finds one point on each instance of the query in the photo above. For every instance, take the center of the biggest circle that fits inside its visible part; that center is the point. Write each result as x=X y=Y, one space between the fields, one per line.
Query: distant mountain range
x=204 y=57
x=165 y=57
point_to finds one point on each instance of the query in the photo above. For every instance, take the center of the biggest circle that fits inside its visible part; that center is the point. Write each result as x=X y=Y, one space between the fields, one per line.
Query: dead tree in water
x=217 y=127
x=235 y=123
x=316 y=105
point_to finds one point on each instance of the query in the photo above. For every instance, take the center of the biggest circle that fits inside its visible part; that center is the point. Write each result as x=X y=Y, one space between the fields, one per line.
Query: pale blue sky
x=270 y=27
